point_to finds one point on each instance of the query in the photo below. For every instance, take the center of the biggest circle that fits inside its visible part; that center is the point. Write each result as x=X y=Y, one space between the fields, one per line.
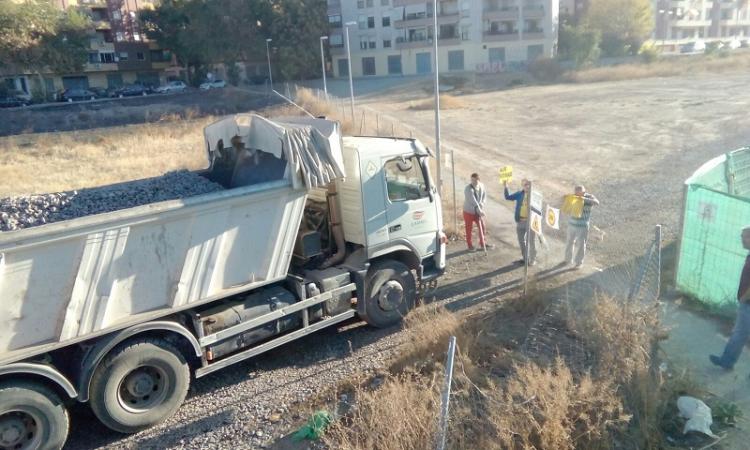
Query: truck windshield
x=405 y=179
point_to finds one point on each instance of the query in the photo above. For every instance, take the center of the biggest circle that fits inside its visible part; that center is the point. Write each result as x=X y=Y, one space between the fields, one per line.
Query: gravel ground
x=29 y=211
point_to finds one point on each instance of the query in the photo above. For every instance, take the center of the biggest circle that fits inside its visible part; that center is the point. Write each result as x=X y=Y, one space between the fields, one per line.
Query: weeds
x=446 y=102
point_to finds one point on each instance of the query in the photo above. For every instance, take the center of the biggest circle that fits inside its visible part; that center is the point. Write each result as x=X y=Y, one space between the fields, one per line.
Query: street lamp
x=435 y=37
x=323 y=64
x=349 y=64
x=268 y=55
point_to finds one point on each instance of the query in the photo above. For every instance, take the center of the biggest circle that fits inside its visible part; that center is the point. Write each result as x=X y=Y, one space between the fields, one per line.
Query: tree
x=36 y=36
x=296 y=31
x=623 y=24
x=204 y=32
x=578 y=44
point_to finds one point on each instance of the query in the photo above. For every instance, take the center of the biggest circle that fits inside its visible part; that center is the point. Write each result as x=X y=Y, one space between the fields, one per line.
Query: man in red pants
x=474 y=199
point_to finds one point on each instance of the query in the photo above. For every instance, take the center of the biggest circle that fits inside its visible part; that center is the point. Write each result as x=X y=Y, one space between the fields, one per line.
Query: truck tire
x=390 y=294
x=139 y=384
x=31 y=417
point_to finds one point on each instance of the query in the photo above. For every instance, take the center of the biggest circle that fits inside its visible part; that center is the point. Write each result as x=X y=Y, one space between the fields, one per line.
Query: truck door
x=411 y=214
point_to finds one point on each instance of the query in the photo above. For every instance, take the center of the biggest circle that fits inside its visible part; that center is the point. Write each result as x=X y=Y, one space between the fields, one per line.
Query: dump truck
x=121 y=309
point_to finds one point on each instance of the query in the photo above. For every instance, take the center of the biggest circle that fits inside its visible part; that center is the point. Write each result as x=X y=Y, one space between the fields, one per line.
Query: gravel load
x=33 y=210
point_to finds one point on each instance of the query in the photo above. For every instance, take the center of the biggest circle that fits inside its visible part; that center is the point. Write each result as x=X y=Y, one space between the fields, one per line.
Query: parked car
x=131 y=90
x=172 y=86
x=694 y=47
x=101 y=92
x=734 y=44
x=213 y=84
x=73 y=95
x=13 y=101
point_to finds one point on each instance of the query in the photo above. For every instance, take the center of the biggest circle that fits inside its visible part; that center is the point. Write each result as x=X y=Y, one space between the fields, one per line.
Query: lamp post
x=435 y=36
x=323 y=64
x=268 y=55
x=349 y=64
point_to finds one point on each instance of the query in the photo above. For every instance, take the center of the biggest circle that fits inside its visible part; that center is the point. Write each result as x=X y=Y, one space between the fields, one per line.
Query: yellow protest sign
x=506 y=174
x=553 y=217
x=536 y=223
x=573 y=205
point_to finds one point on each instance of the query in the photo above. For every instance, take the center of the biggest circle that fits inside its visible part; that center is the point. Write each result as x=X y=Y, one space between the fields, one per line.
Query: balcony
x=408 y=2
x=405 y=43
x=100 y=67
x=501 y=13
x=101 y=45
x=533 y=35
x=498 y=36
x=449 y=39
x=414 y=20
x=102 y=25
x=533 y=11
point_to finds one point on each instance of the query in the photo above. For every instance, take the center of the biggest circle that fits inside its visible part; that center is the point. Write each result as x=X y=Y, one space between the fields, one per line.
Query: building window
x=361 y=4
x=371 y=22
x=343 y=67
x=93 y=58
x=534 y=52
x=386 y=43
x=336 y=40
x=334 y=21
x=448 y=32
x=368 y=66
x=362 y=22
x=123 y=56
x=386 y=21
x=532 y=26
x=456 y=60
x=107 y=58
x=465 y=36
x=497 y=55
x=373 y=45
x=363 y=42
x=394 y=64
x=370 y=3
x=140 y=56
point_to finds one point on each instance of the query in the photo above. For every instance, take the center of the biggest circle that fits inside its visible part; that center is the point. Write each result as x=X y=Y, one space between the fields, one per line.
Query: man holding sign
x=578 y=207
x=521 y=215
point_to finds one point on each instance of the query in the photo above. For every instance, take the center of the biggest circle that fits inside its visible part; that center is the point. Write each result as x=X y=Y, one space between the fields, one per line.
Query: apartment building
x=394 y=37
x=679 y=22
x=119 y=52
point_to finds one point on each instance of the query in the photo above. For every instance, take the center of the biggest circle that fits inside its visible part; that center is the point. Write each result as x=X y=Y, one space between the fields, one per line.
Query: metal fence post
x=446 y=395
x=657 y=246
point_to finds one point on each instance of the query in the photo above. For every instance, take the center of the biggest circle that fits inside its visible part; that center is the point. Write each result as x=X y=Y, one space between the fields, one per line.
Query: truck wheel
x=390 y=294
x=31 y=417
x=139 y=384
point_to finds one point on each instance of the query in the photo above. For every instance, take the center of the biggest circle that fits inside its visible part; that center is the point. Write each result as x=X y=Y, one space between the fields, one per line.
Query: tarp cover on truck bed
x=312 y=146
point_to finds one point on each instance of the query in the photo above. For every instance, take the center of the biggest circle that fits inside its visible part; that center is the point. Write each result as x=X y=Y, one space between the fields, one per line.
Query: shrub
x=649 y=53
x=546 y=70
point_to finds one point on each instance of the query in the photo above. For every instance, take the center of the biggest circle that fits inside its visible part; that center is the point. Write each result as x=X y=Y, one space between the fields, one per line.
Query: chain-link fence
x=637 y=282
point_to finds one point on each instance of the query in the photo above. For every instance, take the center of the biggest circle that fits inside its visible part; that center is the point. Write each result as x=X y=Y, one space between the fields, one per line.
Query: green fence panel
x=711 y=252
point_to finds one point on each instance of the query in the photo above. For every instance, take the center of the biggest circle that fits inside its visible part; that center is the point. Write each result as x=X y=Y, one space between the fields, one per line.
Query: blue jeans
x=739 y=336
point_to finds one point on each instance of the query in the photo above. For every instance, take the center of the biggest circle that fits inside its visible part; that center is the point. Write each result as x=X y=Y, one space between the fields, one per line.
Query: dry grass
x=446 y=102
x=52 y=162
x=503 y=400
x=666 y=67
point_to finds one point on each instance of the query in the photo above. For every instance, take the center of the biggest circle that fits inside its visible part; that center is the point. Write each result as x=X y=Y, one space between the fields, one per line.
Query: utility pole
x=349 y=64
x=323 y=65
x=268 y=55
x=435 y=35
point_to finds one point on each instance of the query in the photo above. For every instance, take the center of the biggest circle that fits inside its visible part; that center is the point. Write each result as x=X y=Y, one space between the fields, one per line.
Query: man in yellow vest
x=578 y=228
